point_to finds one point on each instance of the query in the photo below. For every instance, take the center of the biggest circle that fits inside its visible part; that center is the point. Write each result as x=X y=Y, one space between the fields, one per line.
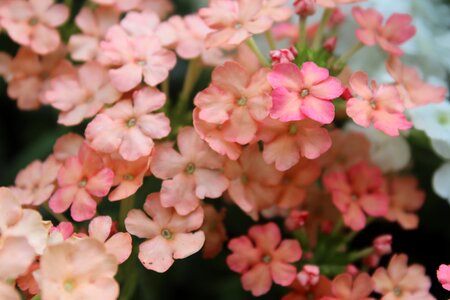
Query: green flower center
x=141 y=62
x=82 y=183
x=165 y=233
x=443 y=119
x=397 y=292
x=244 y=179
x=33 y=21
x=128 y=177
x=190 y=169
x=304 y=93
x=293 y=129
x=69 y=285
x=267 y=259
x=131 y=122
x=242 y=101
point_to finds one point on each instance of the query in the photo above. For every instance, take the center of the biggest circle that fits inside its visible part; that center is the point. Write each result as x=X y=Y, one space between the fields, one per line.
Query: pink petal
x=313 y=142
x=311 y=74
x=100 y=228
x=95 y=133
x=101 y=183
x=135 y=145
x=375 y=205
x=147 y=100
x=331 y=88
x=354 y=217
x=360 y=111
x=179 y=193
x=83 y=206
x=139 y=224
x=231 y=77
x=319 y=110
x=120 y=246
x=390 y=123
x=358 y=83
x=214 y=104
x=156 y=126
x=126 y=77
x=286 y=75
x=286 y=105
x=167 y=162
x=283 y=151
x=44 y=39
x=16 y=255
x=282 y=273
x=257 y=280
x=156 y=254
x=62 y=199
x=210 y=183
x=267 y=237
x=186 y=244
x=241 y=128
x=55 y=15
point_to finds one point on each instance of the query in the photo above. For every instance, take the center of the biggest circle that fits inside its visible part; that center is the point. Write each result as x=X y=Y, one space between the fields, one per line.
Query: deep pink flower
x=443 y=275
x=82 y=180
x=303 y=93
x=346 y=288
x=193 y=173
x=130 y=126
x=380 y=105
x=263 y=257
x=296 y=219
x=309 y=275
x=168 y=235
x=358 y=191
x=237 y=96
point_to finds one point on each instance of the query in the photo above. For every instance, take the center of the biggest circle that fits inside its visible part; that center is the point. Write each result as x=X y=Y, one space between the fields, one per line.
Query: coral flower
x=234 y=21
x=381 y=105
x=130 y=126
x=346 y=288
x=168 y=235
x=254 y=185
x=443 y=275
x=90 y=92
x=315 y=291
x=193 y=173
x=237 y=96
x=401 y=282
x=32 y=23
x=286 y=142
x=78 y=269
x=263 y=257
x=215 y=231
x=358 y=191
x=390 y=36
x=303 y=93
x=81 y=181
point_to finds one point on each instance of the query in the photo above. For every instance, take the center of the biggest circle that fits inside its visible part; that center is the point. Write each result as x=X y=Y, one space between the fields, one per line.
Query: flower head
x=347 y=288
x=443 y=275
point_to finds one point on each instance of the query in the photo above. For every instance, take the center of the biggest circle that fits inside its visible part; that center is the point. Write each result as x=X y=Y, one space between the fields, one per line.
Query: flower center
x=69 y=285
x=443 y=119
x=82 y=183
x=33 y=21
x=242 y=101
x=354 y=197
x=238 y=26
x=190 y=169
x=293 y=129
x=128 y=177
x=373 y=104
x=397 y=292
x=267 y=259
x=244 y=179
x=141 y=62
x=131 y=122
x=304 y=93
x=165 y=233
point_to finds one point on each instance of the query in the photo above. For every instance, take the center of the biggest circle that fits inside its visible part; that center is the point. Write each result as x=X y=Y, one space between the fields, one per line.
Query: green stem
x=125 y=206
x=192 y=75
x=347 y=55
x=254 y=47
x=302 y=34
x=337 y=227
x=271 y=40
x=323 y=23
x=59 y=217
x=354 y=256
x=166 y=90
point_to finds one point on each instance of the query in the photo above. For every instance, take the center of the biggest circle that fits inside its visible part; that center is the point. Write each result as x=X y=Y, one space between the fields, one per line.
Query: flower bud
x=337 y=18
x=305 y=8
x=330 y=44
x=283 y=55
x=309 y=275
x=296 y=220
x=383 y=244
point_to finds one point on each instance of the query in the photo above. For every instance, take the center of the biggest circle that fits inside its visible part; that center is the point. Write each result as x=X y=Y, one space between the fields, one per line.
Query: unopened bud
x=337 y=18
x=383 y=244
x=296 y=220
x=309 y=275
x=283 y=55
x=330 y=44
x=305 y=8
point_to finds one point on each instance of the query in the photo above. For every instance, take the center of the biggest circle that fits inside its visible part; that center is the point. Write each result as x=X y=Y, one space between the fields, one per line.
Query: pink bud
x=352 y=270
x=309 y=276
x=305 y=8
x=347 y=94
x=383 y=244
x=330 y=44
x=65 y=228
x=326 y=226
x=296 y=220
x=337 y=18
x=283 y=55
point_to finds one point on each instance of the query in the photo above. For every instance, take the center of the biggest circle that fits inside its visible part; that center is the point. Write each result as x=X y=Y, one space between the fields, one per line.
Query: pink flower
x=262 y=257
x=215 y=231
x=309 y=275
x=81 y=181
x=32 y=23
x=130 y=126
x=91 y=90
x=93 y=24
x=383 y=244
x=402 y=282
x=303 y=93
x=296 y=219
x=35 y=184
x=286 y=142
x=346 y=288
x=283 y=55
x=335 y=3
x=381 y=105
x=117 y=244
x=234 y=21
x=356 y=192
x=133 y=58
x=317 y=291
x=162 y=7
x=168 y=235
x=78 y=269
x=277 y=10
x=121 y=5
x=443 y=275
x=237 y=96
x=390 y=36
x=413 y=91
x=193 y=173
x=254 y=185
x=67 y=145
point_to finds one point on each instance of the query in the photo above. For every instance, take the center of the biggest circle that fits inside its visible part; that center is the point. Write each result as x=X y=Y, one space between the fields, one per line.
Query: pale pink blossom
x=345 y=287
x=335 y=3
x=130 y=126
x=215 y=231
x=168 y=235
x=402 y=282
x=90 y=91
x=357 y=192
x=162 y=7
x=303 y=93
x=16 y=255
x=234 y=21
x=82 y=181
x=32 y=23
x=93 y=24
x=380 y=105
x=286 y=142
x=193 y=173
x=78 y=269
x=116 y=243
x=263 y=257
x=277 y=10
x=67 y=145
x=237 y=96
x=254 y=184
x=283 y=55
x=133 y=58
x=413 y=91
x=443 y=275
x=8 y=292
x=390 y=36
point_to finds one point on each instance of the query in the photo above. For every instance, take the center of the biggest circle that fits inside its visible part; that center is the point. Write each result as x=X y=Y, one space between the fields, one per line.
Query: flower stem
x=125 y=206
x=192 y=75
x=254 y=47
x=271 y=40
x=357 y=255
x=165 y=86
x=302 y=34
x=323 y=23
x=347 y=55
x=59 y=217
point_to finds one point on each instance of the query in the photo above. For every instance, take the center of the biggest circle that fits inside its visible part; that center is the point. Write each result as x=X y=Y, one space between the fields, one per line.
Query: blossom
x=121 y=5
x=346 y=288
x=81 y=181
x=8 y=292
x=263 y=257
x=161 y=7
x=234 y=21
x=117 y=244
x=32 y=23
x=296 y=219
x=383 y=244
x=303 y=93
x=254 y=184
x=215 y=231
x=381 y=106
x=168 y=235
x=443 y=275
x=335 y=3
x=93 y=24
x=90 y=90
x=189 y=175
x=133 y=58
x=130 y=126
x=237 y=96
x=283 y=55
x=399 y=281
x=390 y=36
x=78 y=269
x=286 y=142
x=277 y=10
x=358 y=191
x=316 y=291
x=413 y=91
x=67 y=145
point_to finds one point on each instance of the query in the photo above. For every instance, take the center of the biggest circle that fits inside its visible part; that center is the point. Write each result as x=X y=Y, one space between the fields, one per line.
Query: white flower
x=441 y=181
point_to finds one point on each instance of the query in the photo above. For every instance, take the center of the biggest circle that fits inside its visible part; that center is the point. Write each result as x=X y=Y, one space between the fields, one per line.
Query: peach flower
x=347 y=288
x=215 y=231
